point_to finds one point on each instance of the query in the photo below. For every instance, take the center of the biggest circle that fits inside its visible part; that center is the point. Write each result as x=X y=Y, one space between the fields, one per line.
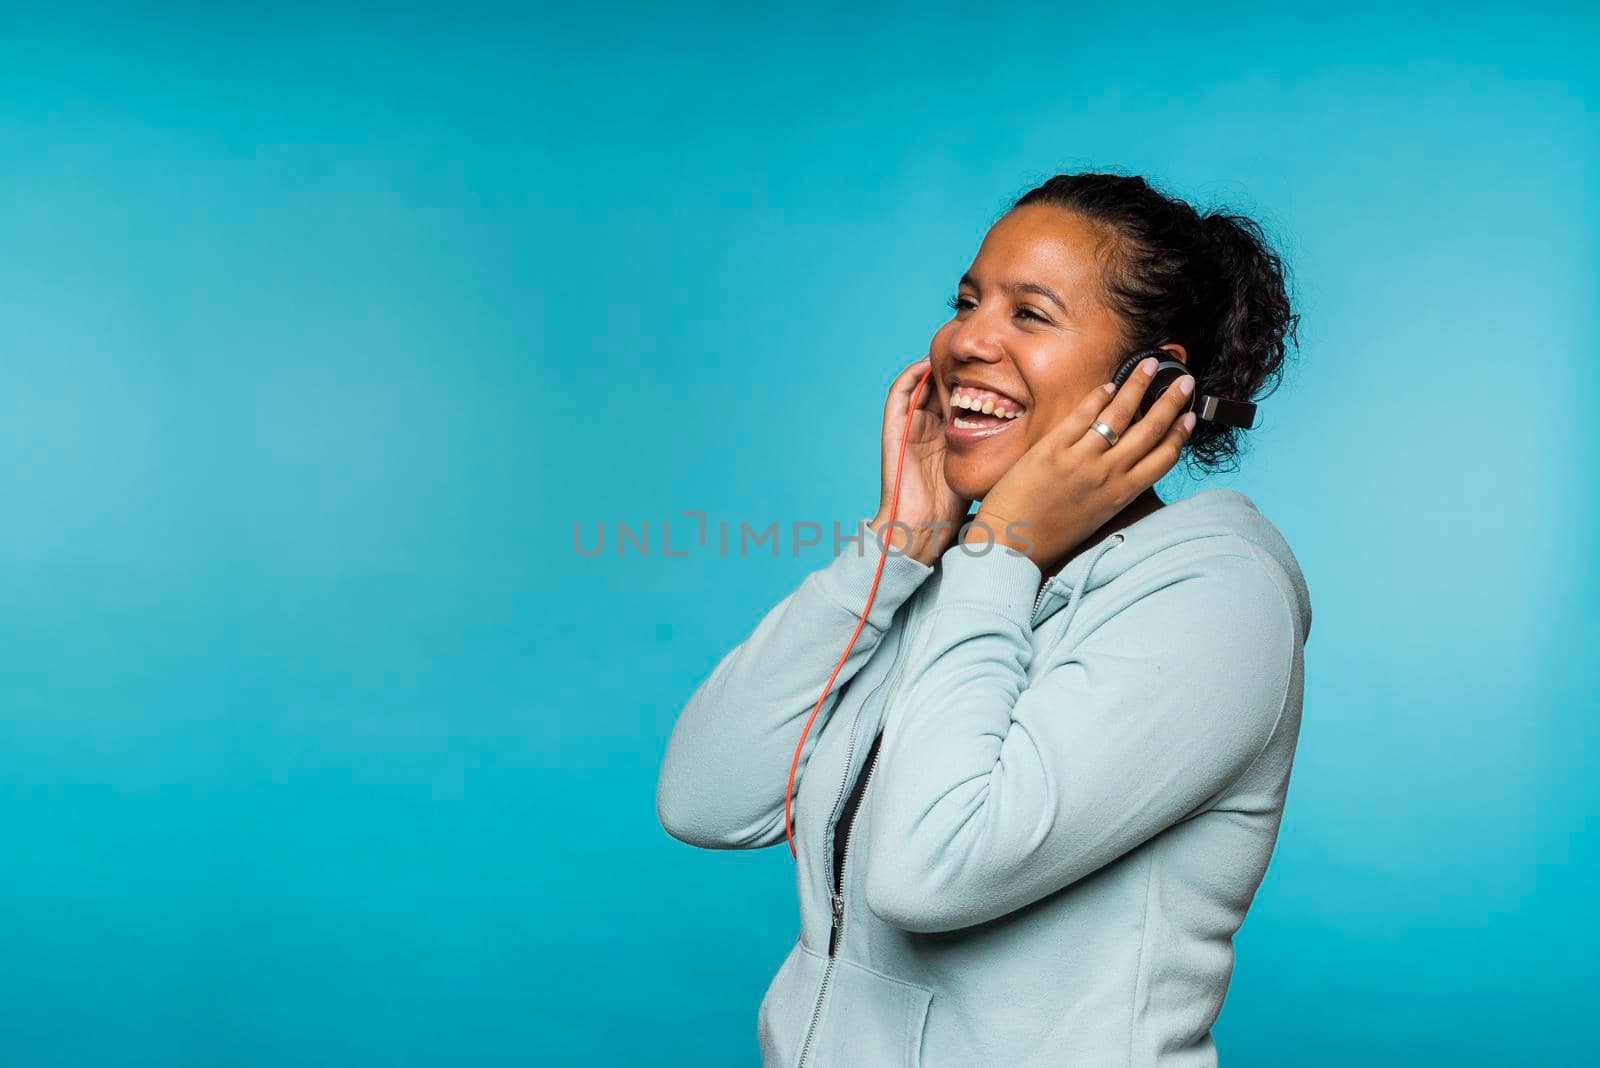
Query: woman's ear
x=1178 y=352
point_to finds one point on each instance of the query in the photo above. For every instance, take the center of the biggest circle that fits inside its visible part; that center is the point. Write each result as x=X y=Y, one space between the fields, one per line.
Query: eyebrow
x=1023 y=287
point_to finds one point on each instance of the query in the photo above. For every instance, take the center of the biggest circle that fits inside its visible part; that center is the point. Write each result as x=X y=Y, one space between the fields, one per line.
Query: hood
x=1206 y=513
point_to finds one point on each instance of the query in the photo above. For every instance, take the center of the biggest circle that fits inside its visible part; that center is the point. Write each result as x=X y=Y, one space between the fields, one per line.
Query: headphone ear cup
x=1168 y=371
x=1134 y=359
x=1166 y=375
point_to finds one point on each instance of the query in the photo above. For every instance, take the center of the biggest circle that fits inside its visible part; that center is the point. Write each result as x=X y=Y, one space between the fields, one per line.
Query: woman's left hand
x=1070 y=482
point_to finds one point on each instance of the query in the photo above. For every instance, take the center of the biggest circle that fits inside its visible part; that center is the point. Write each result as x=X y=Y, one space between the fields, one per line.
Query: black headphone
x=1217 y=409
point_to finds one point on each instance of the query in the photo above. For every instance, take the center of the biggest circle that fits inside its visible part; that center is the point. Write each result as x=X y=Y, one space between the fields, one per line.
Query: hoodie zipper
x=1039 y=600
x=836 y=893
x=836 y=935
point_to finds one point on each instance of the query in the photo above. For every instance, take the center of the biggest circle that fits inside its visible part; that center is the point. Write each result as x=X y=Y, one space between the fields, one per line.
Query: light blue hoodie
x=1078 y=791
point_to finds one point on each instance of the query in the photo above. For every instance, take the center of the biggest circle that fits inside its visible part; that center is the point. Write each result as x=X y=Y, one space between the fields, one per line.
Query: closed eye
x=958 y=304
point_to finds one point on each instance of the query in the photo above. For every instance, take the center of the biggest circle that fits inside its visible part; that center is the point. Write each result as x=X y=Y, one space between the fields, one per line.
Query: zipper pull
x=838 y=923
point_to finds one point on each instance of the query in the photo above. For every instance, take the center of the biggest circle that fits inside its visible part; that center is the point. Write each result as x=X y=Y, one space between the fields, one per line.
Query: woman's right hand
x=926 y=500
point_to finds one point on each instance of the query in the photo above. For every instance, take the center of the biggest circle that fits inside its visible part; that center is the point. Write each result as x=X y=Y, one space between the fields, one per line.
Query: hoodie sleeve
x=726 y=768
x=995 y=792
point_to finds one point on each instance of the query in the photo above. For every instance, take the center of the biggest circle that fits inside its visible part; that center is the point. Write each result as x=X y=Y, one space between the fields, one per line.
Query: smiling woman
x=1051 y=774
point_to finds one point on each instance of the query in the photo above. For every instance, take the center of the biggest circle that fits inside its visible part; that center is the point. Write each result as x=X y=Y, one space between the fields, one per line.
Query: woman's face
x=1030 y=325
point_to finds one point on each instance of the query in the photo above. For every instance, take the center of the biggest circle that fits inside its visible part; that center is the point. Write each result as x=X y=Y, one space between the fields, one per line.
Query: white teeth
x=986 y=405
x=971 y=424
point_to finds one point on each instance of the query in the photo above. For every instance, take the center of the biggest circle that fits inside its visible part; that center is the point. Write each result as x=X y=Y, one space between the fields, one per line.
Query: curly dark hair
x=1211 y=282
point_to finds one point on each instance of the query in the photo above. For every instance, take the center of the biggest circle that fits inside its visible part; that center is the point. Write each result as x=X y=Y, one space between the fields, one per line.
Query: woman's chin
x=970 y=485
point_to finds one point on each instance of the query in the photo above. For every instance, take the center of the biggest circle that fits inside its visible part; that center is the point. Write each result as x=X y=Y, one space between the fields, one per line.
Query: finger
x=1151 y=430
x=1124 y=405
x=905 y=384
x=929 y=399
x=1071 y=429
x=1156 y=462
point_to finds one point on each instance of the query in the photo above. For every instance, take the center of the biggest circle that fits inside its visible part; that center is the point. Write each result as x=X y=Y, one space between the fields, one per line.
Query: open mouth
x=981 y=409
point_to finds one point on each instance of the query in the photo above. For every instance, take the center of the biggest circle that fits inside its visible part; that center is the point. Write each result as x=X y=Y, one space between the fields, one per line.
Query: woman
x=1049 y=776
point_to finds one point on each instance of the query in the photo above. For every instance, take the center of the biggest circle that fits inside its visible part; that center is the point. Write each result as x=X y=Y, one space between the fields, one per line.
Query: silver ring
x=1104 y=431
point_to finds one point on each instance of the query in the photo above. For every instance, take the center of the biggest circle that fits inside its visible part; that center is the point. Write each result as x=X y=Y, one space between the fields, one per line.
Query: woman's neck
x=1141 y=506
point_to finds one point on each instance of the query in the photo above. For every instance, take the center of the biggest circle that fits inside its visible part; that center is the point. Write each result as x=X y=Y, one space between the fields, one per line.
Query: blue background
x=321 y=745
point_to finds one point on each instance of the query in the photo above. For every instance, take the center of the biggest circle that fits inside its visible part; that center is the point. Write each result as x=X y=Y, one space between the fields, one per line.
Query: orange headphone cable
x=894 y=505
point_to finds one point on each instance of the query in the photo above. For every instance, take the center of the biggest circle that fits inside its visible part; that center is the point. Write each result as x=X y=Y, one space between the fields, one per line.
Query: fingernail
x=1186 y=383
x=1148 y=365
x=1110 y=387
x=1188 y=420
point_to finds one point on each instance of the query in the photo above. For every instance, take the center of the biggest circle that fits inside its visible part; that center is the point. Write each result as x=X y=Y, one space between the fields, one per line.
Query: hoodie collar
x=1204 y=514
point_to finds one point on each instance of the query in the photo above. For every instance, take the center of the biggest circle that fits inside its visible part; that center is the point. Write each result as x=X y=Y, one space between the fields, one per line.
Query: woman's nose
x=976 y=338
